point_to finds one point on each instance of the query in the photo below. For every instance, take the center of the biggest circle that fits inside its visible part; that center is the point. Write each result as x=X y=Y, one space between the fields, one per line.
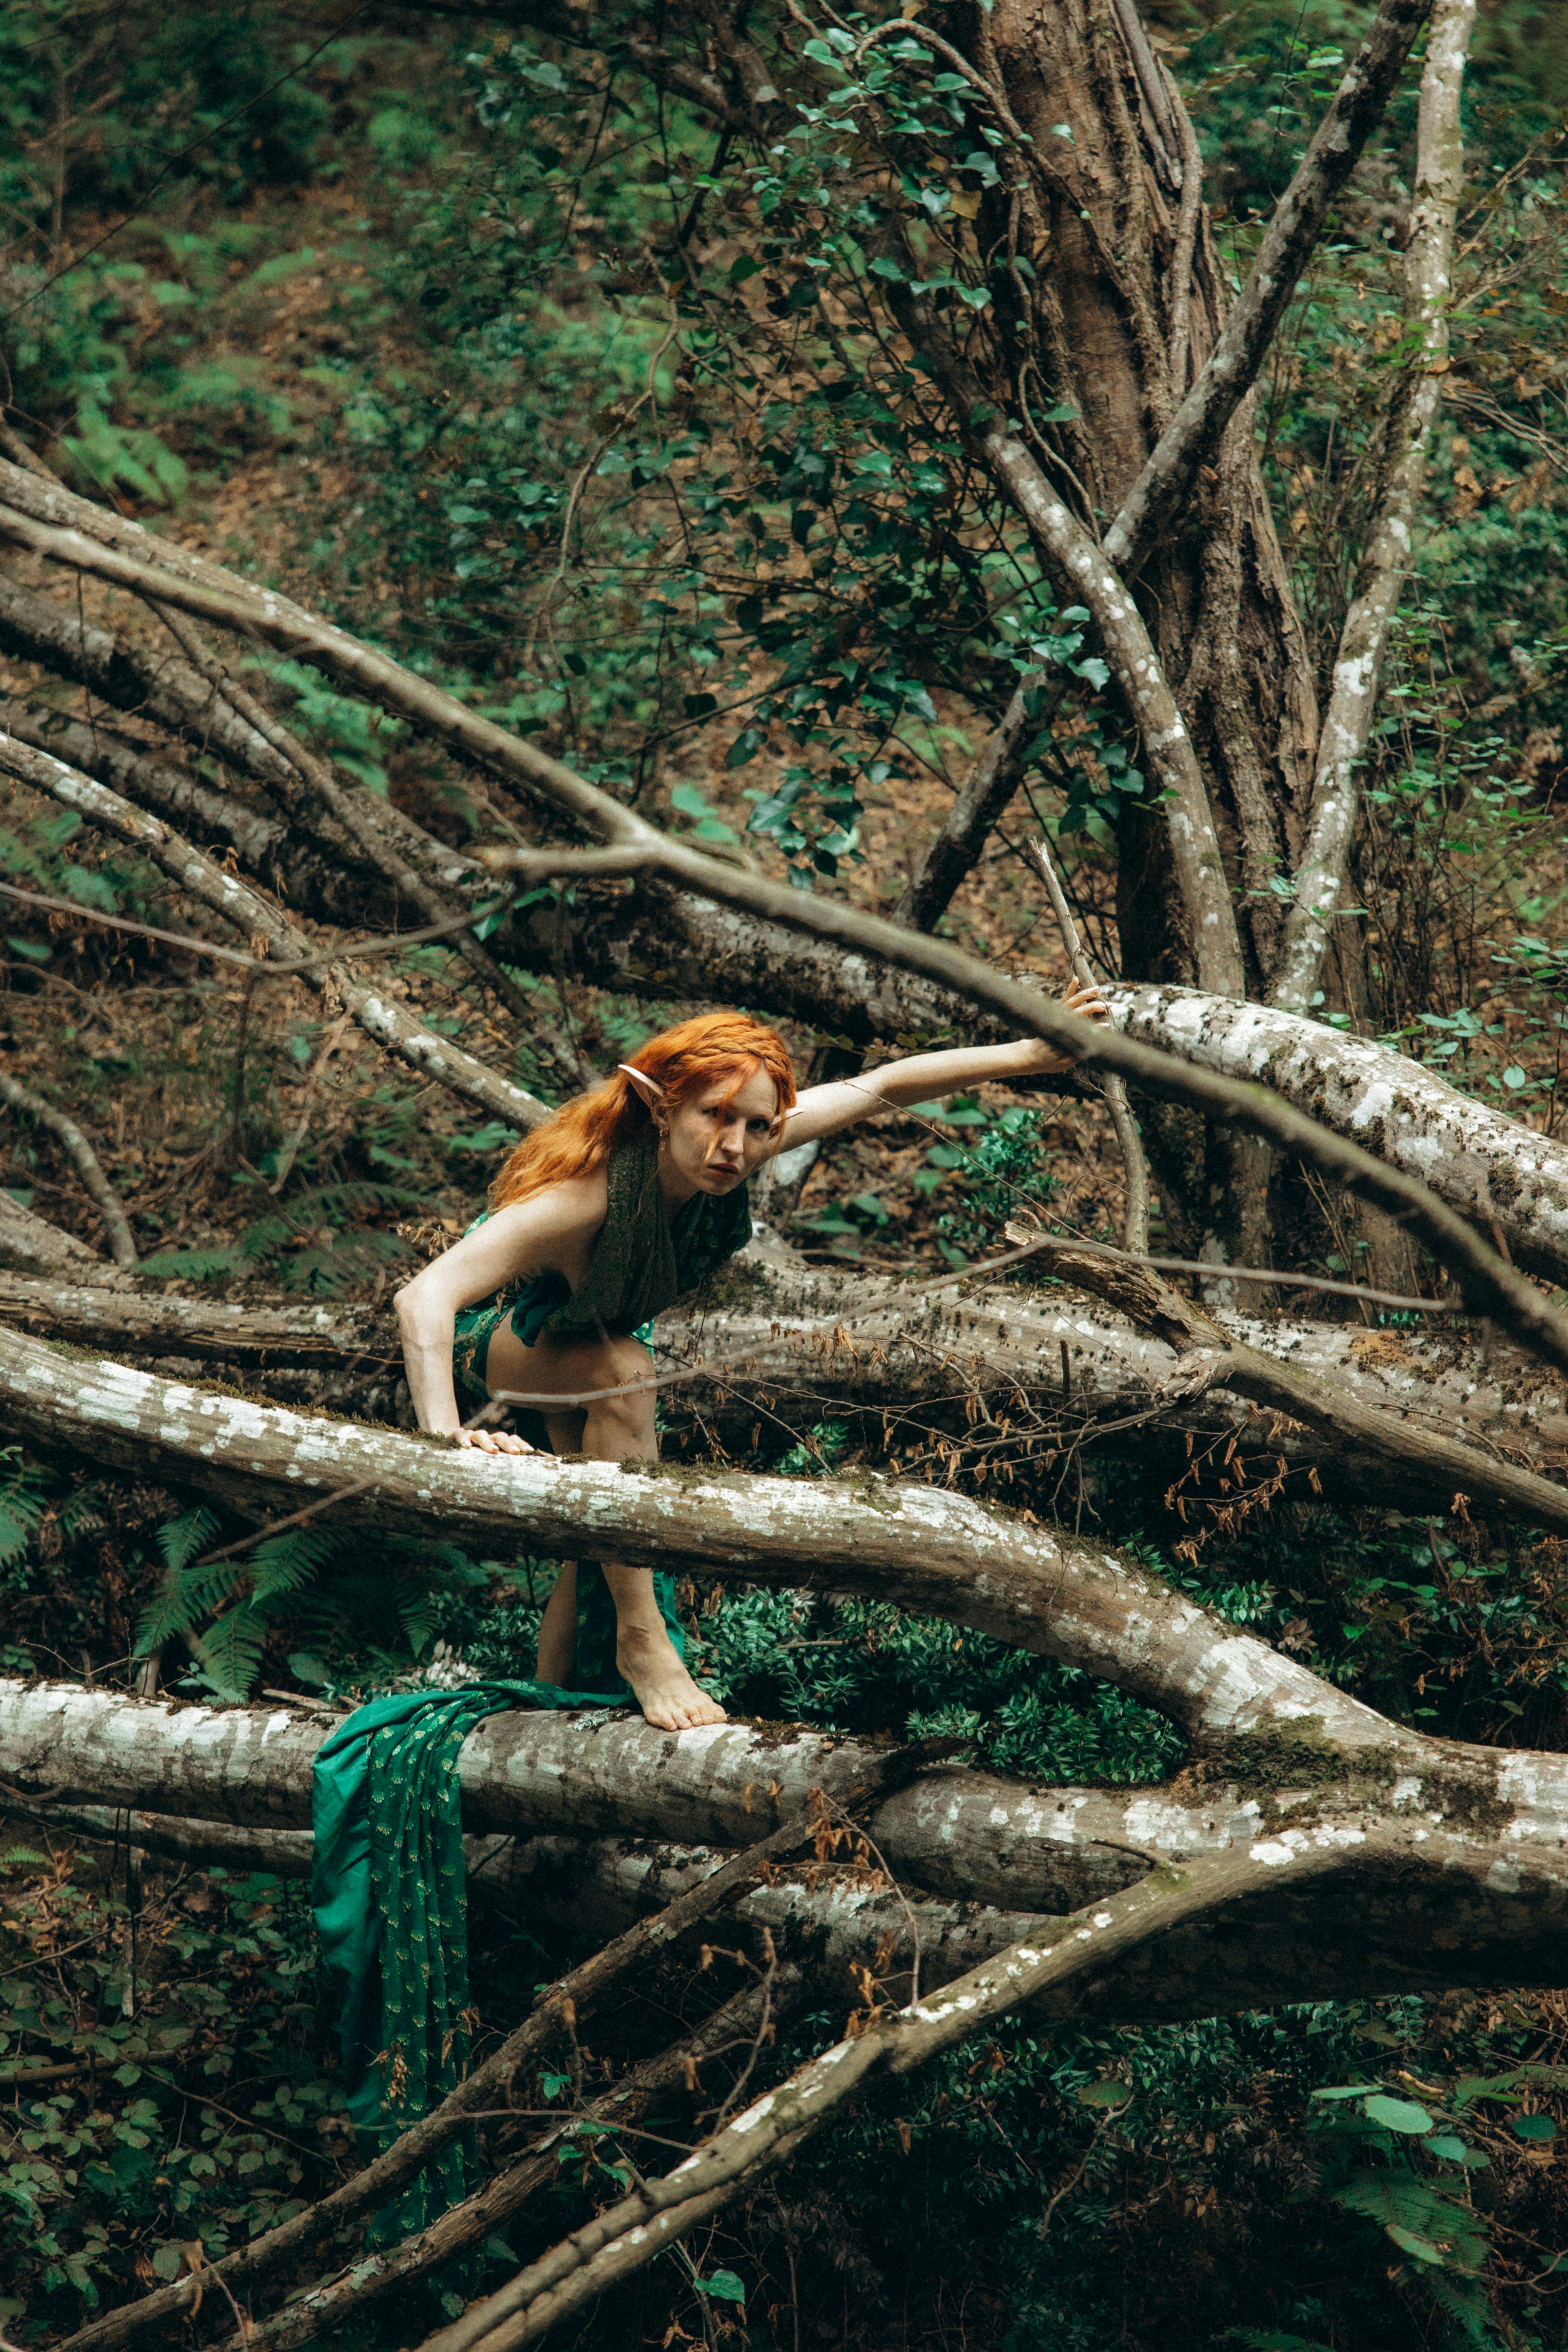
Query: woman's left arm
x=927 y=1077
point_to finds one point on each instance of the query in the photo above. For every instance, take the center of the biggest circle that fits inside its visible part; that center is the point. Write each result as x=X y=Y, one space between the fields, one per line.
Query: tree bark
x=83 y=1159
x=1099 y=339
x=1489 y=1168
x=1487 y=1279
x=925 y=1550
x=376 y=1012
x=675 y=942
x=34 y=1248
x=922 y=1548
x=1326 y=1875
x=562 y=1779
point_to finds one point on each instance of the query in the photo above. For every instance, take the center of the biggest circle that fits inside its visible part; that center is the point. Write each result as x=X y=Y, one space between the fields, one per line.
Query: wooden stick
x=83 y=1158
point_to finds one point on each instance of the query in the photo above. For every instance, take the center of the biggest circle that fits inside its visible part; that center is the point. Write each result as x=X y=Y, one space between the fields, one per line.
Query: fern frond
x=286 y=1562
x=1466 y=2301
x=181 y=1539
x=24 y=1499
x=188 y=1596
x=189 y=1265
x=416 y=1615
x=230 y=1650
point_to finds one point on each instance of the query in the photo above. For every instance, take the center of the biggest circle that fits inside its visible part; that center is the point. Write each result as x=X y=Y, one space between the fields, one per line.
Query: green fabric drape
x=644 y=1259
x=387 y=1887
x=389 y=1898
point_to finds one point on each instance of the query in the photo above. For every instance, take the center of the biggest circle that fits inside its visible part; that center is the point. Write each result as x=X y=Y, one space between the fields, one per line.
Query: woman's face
x=719 y=1135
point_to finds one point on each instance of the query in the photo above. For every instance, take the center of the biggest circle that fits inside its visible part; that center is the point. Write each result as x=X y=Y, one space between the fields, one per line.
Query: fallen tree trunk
x=1475 y=1896
x=598 y=1887
x=923 y=1549
x=964 y=1834
x=1494 y=1169
x=808 y=1341
x=34 y=1248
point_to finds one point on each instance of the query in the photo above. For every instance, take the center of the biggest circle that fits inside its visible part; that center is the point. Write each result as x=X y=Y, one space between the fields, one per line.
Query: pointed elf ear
x=650 y=1090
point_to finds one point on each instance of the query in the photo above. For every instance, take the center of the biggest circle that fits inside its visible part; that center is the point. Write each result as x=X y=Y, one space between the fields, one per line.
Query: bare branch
x=77 y=534
x=83 y=1159
x=1124 y=638
x=1446 y=1462
x=914 y=1358
x=1506 y=1175
x=618 y=2242
x=260 y=843
x=1028 y=1851
x=1490 y=1285
x=924 y=1548
x=992 y=781
x=575 y=1995
x=377 y=1015
x=378 y=849
x=1322 y=868
x=1186 y=238
x=379 y=2275
x=1231 y=369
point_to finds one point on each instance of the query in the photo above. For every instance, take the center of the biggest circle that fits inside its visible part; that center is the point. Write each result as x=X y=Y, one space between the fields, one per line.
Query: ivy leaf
x=1397 y=2114
x=1533 y=2128
x=1422 y=2248
x=723 y=2286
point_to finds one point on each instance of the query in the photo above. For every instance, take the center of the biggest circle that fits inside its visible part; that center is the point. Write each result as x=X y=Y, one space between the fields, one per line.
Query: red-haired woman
x=601 y=1218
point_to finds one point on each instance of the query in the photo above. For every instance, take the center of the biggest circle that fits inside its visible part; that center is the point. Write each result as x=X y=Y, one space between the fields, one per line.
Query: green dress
x=387 y=1885
x=642 y=1261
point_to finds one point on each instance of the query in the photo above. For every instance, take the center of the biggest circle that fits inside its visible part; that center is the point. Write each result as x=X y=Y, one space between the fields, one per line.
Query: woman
x=602 y=1218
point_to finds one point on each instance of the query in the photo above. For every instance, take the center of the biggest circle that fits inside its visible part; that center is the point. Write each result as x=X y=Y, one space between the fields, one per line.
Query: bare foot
x=664 y=1690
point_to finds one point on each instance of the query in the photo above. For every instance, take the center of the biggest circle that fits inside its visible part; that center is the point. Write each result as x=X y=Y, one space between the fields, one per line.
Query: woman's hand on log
x=493 y=1441
x=1084 y=999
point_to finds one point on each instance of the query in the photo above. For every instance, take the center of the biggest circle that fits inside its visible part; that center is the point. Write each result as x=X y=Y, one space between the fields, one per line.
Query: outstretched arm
x=926 y=1077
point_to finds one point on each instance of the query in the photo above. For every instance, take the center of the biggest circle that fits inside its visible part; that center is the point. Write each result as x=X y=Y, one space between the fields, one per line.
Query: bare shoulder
x=571 y=1210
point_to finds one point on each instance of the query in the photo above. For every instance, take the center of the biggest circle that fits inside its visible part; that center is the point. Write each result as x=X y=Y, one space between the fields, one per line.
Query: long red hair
x=581 y=1136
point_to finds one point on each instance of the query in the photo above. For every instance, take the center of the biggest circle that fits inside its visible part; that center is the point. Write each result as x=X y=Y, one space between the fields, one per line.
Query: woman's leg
x=612 y=1429
x=557 y=1658
x=558 y=1630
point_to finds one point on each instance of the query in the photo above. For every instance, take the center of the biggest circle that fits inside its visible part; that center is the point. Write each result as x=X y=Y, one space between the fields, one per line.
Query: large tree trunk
x=1128 y=305
x=919 y=1546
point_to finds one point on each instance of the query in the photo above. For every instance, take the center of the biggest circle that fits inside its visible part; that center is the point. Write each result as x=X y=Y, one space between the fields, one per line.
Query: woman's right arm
x=548 y=1233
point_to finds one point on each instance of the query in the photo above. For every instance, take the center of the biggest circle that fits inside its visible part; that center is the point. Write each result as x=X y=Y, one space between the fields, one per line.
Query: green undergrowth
x=196 y=2104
